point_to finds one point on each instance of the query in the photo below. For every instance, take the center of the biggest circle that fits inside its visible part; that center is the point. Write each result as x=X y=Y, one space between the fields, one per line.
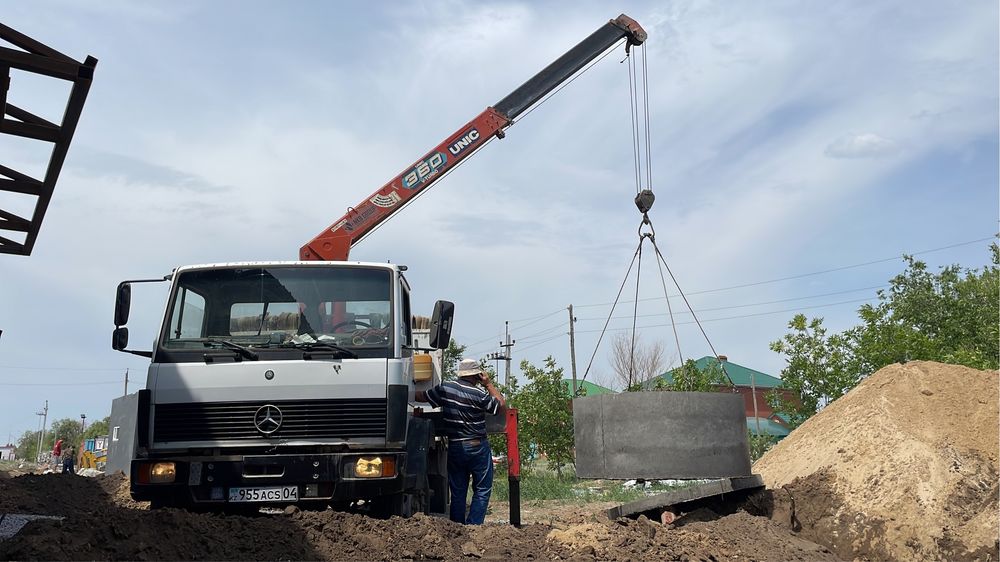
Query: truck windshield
x=282 y=307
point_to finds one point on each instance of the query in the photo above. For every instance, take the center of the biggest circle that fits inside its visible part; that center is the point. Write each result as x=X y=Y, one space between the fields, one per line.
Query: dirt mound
x=102 y=522
x=739 y=536
x=904 y=466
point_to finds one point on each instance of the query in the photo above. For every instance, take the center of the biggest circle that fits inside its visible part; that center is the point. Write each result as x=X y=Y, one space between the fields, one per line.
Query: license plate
x=275 y=494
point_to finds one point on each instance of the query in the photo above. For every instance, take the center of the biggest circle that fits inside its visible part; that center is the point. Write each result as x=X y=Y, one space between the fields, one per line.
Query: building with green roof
x=754 y=385
x=590 y=389
x=741 y=376
x=768 y=426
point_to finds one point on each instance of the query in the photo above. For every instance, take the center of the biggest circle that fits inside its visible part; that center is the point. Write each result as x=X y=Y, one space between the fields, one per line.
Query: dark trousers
x=470 y=459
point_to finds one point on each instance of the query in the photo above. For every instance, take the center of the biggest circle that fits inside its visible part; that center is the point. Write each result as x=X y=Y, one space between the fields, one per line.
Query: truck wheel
x=163 y=502
x=384 y=507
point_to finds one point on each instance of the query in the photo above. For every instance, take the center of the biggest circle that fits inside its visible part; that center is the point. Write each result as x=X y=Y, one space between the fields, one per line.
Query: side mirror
x=123 y=300
x=444 y=313
x=119 y=339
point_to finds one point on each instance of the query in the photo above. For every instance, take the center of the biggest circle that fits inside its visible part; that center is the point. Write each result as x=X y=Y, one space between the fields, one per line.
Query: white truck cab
x=288 y=382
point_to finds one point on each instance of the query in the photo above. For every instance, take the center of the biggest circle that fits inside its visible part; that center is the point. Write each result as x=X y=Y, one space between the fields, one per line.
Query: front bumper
x=326 y=477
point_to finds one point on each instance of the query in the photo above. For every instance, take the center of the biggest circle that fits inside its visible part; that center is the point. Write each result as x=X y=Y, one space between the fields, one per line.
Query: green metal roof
x=784 y=417
x=767 y=427
x=741 y=375
x=590 y=388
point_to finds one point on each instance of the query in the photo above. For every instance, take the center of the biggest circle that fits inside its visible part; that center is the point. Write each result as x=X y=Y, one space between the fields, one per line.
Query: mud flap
x=420 y=463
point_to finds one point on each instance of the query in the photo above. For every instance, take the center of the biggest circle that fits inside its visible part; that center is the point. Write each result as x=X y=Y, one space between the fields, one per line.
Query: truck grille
x=308 y=419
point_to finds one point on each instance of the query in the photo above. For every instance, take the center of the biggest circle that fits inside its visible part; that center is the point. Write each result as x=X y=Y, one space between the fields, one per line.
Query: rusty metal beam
x=34 y=57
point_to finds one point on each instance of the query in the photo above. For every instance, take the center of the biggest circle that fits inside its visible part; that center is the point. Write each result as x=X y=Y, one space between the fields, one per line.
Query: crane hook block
x=644 y=200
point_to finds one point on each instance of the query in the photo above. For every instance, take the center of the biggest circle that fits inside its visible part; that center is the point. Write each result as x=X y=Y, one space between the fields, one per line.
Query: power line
x=546 y=332
x=536 y=319
x=764 y=282
x=766 y=313
x=536 y=344
x=745 y=315
x=801 y=275
x=560 y=326
x=497 y=337
x=717 y=308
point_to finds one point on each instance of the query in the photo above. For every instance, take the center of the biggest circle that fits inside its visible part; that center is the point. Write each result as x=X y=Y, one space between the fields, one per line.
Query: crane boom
x=335 y=242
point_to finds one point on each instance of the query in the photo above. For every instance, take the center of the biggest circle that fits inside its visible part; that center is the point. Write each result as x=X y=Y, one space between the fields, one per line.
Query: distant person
x=464 y=406
x=56 y=453
x=69 y=462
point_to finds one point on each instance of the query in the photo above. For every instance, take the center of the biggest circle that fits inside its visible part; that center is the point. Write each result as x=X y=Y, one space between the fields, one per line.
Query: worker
x=69 y=461
x=464 y=406
x=56 y=453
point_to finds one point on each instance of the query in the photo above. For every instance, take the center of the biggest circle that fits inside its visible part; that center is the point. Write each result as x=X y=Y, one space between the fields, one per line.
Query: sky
x=797 y=150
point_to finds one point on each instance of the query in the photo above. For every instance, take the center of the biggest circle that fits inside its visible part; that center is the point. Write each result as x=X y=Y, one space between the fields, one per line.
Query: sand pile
x=905 y=466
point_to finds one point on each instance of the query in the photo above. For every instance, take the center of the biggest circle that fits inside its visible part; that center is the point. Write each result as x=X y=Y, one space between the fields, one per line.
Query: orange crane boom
x=335 y=242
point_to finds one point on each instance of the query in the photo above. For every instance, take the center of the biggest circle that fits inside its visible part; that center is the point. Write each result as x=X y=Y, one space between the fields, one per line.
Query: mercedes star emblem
x=267 y=419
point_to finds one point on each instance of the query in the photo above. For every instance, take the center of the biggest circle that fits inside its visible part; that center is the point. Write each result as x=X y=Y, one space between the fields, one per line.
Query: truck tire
x=159 y=503
x=400 y=505
x=165 y=501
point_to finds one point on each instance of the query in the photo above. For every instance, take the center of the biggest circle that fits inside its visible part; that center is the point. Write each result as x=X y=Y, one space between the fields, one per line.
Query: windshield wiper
x=322 y=345
x=242 y=350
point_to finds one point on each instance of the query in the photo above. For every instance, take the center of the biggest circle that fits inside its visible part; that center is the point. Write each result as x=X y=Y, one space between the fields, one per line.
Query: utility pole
x=506 y=352
x=753 y=392
x=45 y=420
x=497 y=357
x=126 y=383
x=572 y=346
x=38 y=440
x=43 y=415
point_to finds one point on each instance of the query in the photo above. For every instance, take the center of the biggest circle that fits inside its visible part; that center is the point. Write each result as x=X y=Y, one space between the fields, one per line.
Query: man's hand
x=484 y=380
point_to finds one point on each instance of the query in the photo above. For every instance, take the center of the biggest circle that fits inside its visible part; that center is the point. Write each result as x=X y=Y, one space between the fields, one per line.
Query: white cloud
x=863 y=145
x=744 y=104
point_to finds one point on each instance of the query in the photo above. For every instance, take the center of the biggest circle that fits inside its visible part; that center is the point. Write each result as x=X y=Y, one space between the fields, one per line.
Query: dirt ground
x=903 y=467
x=102 y=522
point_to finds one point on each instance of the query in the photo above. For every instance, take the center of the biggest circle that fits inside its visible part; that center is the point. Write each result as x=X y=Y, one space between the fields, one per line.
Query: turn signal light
x=375 y=467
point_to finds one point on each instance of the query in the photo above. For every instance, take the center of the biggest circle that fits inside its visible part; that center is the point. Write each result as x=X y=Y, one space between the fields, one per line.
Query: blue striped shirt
x=464 y=407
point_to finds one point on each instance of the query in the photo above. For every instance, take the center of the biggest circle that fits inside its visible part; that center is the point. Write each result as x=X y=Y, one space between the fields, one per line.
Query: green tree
x=545 y=417
x=950 y=316
x=450 y=359
x=820 y=368
x=67 y=429
x=27 y=446
x=98 y=428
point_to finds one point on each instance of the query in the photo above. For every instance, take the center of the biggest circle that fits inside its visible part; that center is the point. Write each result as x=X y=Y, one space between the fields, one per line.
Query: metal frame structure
x=34 y=57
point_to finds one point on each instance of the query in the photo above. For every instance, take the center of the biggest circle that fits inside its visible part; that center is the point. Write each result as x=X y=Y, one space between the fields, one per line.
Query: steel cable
x=635 y=311
x=693 y=315
x=620 y=289
x=634 y=116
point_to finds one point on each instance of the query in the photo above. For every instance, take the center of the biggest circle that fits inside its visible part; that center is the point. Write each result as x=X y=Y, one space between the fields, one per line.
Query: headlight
x=162 y=473
x=375 y=467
